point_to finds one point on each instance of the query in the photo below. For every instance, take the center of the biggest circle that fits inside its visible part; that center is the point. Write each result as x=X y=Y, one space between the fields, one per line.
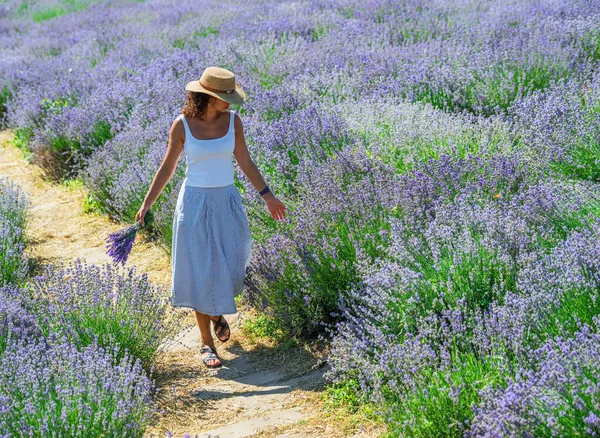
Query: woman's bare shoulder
x=237 y=122
x=177 y=129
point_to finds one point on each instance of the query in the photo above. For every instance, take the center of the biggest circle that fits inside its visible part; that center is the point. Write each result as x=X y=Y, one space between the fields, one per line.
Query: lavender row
x=60 y=389
x=77 y=343
x=77 y=351
x=14 y=217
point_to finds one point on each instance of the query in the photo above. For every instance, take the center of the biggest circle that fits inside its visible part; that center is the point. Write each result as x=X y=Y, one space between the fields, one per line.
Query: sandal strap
x=219 y=323
x=212 y=354
x=223 y=325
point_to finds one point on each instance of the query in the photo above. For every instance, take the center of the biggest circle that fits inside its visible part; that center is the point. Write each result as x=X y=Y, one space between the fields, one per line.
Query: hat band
x=215 y=90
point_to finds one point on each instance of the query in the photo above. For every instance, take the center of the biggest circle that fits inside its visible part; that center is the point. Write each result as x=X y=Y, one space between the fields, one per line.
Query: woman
x=211 y=238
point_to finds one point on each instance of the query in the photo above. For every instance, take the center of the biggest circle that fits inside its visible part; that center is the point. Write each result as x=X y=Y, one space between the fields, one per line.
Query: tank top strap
x=231 y=120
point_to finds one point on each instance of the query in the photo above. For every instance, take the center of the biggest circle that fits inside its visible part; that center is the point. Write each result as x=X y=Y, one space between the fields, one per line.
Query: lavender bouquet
x=119 y=243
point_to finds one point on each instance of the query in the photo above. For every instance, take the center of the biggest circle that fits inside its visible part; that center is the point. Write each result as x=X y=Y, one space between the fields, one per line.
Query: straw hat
x=220 y=83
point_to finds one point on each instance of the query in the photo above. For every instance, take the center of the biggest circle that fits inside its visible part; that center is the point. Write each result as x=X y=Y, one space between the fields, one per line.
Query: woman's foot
x=209 y=357
x=221 y=327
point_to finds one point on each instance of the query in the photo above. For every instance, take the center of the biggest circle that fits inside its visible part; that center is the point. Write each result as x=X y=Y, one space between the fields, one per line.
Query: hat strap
x=215 y=90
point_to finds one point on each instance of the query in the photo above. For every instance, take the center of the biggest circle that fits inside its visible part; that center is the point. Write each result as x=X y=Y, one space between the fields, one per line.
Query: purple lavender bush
x=126 y=313
x=343 y=220
x=558 y=396
x=340 y=216
x=53 y=388
x=561 y=127
x=15 y=320
x=406 y=134
x=14 y=208
x=555 y=294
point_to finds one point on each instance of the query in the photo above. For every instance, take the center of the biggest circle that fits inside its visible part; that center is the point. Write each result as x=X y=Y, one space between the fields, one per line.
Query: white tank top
x=209 y=162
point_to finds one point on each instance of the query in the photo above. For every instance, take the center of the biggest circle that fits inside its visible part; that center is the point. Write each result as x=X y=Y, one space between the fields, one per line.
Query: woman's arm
x=166 y=169
x=249 y=168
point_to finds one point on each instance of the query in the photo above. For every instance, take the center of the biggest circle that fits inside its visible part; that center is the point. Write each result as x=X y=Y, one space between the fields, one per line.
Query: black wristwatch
x=265 y=190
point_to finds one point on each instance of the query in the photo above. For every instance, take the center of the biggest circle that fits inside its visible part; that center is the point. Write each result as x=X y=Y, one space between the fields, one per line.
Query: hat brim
x=238 y=97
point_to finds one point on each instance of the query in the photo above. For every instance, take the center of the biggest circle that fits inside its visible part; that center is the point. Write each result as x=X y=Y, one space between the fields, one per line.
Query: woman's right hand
x=141 y=214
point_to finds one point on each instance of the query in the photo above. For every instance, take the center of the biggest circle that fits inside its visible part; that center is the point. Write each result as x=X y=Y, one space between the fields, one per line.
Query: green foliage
x=318 y=32
x=405 y=156
x=50 y=106
x=575 y=306
x=72 y=183
x=440 y=403
x=270 y=114
x=21 y=141
x=591 y=45
x=63 y=145
x=92 y=205
x=179 y=43
x=406 y=152
x=263 y=326
x=190 y=41
x=582 y=161
x=447 y=276
x=261 y=66
x=209 y=30
x=415 y=31
x=42 y=11
x=348 y=396
x=5 y=95
x=565 y=221
x=62 y=150
x=100 y=135
x=346 y=393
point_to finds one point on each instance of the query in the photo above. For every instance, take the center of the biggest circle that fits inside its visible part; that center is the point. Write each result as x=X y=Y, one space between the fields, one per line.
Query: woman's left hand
x=276 y=208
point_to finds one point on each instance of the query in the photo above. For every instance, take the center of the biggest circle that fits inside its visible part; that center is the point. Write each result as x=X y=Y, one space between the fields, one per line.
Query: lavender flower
x=120 y=242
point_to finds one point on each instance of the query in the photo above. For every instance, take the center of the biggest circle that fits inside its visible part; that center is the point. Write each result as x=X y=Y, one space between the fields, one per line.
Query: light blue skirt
x=211 y=249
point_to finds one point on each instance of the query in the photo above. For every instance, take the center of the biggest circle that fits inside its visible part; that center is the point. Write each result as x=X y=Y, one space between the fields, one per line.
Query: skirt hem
x=191 y=306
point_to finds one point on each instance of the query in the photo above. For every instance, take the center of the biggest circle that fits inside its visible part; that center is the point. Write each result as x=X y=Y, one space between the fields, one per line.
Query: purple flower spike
x=119 y=243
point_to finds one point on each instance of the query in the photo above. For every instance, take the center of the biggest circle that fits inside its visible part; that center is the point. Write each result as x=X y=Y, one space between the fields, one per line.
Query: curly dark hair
x=195 y=103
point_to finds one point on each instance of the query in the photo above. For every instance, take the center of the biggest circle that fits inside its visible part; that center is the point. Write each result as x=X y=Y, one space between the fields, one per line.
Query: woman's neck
x=210 y=114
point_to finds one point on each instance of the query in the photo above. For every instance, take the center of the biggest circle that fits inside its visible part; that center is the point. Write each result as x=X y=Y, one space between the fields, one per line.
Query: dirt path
x=262 y=390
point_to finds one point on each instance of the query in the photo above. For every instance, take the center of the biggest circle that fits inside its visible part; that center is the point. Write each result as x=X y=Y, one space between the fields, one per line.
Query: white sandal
x=212 y=354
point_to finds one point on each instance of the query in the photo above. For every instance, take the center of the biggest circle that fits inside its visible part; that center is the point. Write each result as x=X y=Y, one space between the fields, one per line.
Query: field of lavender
x=440 y=161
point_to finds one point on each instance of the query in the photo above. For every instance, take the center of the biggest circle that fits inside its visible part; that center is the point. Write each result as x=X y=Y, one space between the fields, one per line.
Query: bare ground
x=262 y=390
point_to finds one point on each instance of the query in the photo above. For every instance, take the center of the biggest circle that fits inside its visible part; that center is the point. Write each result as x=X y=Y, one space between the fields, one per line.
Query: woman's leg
x=207 y=339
